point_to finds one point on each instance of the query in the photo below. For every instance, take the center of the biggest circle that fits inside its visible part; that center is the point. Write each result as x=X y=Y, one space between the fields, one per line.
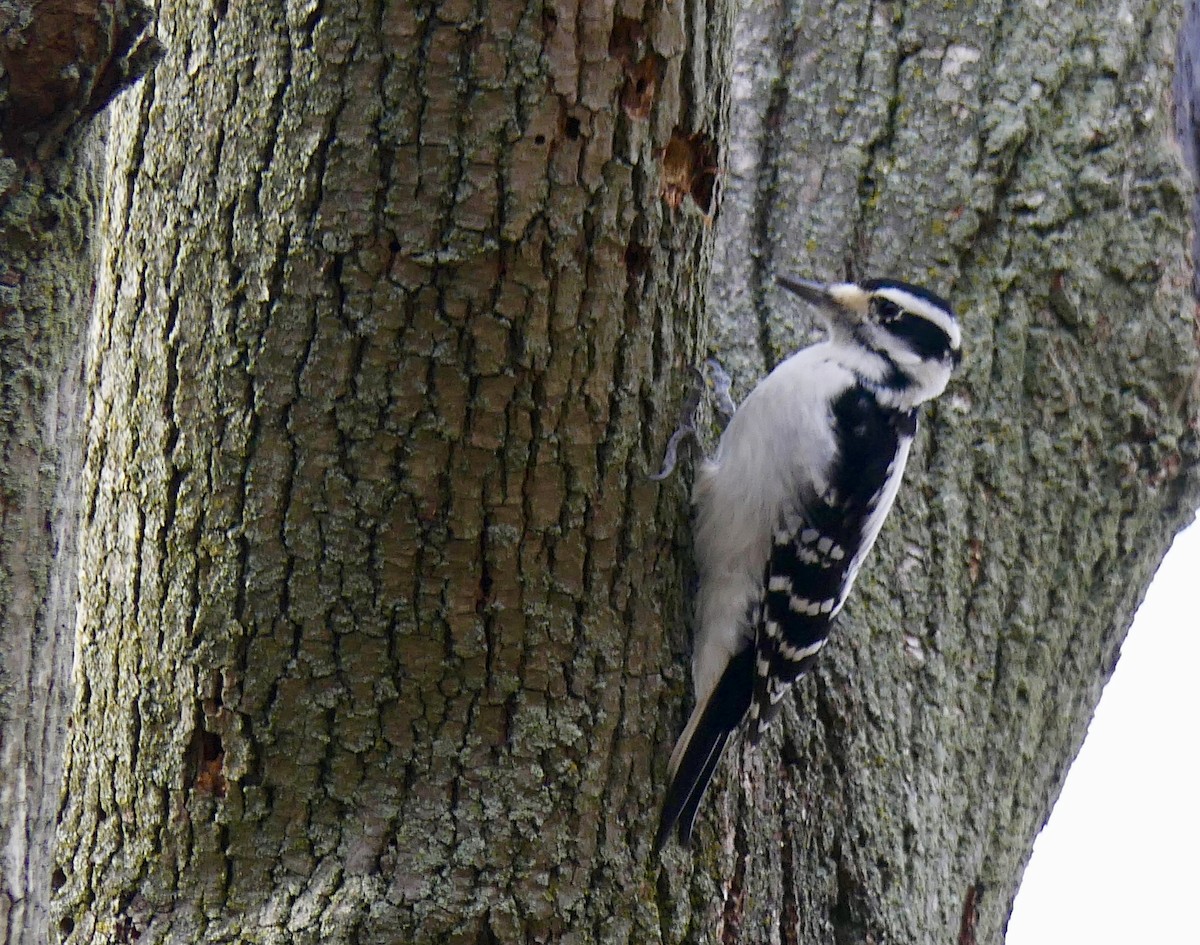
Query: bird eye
x=886 y=310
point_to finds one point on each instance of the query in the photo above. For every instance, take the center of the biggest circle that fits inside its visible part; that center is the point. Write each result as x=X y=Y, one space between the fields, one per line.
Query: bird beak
x=839 y=303
x=813 y=292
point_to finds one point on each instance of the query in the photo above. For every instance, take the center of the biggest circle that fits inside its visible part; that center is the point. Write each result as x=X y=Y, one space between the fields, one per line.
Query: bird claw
x=670 y=457
x=719 y=382
x=709 y=377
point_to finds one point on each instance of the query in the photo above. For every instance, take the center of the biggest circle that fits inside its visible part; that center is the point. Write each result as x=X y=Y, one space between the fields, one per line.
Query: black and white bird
x=790 y=505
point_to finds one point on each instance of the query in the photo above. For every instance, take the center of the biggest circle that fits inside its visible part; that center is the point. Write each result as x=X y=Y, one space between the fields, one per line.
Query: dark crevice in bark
x=845 y=917
x=735 y=891
x=273 y=118
x=761 y=279
x=664 y=898
x=881 y=143
x=970 y=914
x=789 y=915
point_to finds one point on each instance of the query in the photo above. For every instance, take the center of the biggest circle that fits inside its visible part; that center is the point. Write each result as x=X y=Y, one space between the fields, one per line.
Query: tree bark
x=371 y=640
x=42 y=316
x=383 y=632
x=60 y=63
x=1017 y=158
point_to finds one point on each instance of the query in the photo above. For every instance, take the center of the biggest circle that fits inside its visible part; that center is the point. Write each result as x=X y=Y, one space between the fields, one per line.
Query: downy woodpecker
x=791 y=504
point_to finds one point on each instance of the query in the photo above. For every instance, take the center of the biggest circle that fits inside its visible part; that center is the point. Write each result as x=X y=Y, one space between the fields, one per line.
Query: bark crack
x=880 y=143
x=762 y=271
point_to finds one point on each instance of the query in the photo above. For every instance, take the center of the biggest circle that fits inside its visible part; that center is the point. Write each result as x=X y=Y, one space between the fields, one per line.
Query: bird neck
x=897 y=382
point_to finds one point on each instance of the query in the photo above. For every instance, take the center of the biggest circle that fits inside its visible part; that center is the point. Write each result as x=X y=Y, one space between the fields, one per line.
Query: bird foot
x=710 y=377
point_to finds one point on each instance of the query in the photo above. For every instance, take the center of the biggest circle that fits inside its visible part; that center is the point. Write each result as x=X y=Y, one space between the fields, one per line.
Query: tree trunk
x=59 y=65
x=383 y=634
x=1017 y=158
x=41 y=322
x=378 y=588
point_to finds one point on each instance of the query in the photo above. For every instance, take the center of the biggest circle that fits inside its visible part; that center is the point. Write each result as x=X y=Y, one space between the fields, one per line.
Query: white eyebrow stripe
x=919 y=306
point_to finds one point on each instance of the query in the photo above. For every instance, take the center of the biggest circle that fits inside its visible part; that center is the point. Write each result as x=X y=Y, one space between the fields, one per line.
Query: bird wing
x=818 y=546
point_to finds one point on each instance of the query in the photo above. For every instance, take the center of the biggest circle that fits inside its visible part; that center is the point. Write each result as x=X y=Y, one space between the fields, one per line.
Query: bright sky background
x=1119 y=860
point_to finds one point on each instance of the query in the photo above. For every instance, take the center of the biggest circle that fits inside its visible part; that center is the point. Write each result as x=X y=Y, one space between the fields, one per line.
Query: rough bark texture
x=1018 y=158
x=45 y=283
x=383 y=638
x=59 y=64
x=1187 y=117
x=396 y=324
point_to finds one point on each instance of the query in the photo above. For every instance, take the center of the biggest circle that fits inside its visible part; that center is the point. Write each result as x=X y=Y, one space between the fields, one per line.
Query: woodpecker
x=790 y=505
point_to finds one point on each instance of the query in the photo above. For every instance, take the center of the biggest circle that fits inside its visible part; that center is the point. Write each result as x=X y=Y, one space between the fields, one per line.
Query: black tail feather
x=691 y=807
x=724 y=711
x=689 y=784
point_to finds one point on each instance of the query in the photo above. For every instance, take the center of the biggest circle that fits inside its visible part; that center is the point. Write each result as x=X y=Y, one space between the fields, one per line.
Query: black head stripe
x=874 y=285
x=920 y=334
x=885 y=309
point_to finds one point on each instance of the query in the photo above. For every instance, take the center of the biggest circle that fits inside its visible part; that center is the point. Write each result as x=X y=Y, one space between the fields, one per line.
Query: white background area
x=1119 y=859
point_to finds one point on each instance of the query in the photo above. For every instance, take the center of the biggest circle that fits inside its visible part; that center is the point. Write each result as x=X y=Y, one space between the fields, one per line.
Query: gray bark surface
x=43 y=307
x=383 y=635
x=59 y=65
x=1018 y=159
x=370 y=648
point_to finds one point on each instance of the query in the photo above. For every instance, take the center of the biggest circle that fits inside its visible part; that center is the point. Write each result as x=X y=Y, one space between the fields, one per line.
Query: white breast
x=779 y=447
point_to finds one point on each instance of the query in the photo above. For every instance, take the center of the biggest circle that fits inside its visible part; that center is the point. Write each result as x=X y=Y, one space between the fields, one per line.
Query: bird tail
x=700 y=746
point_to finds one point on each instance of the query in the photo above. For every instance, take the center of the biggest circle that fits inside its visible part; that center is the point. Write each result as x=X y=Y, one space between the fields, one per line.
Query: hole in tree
x=637 y=260
x=641 y=84
x=689 y=169
x=626 y=39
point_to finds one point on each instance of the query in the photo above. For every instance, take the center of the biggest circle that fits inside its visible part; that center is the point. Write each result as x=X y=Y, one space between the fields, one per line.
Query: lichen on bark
x=384 y=632
x=388 y=344
x=1018 y=160
x=59 y=65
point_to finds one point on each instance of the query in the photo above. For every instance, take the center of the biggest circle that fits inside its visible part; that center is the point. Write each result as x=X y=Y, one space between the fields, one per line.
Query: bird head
x=913 y=330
